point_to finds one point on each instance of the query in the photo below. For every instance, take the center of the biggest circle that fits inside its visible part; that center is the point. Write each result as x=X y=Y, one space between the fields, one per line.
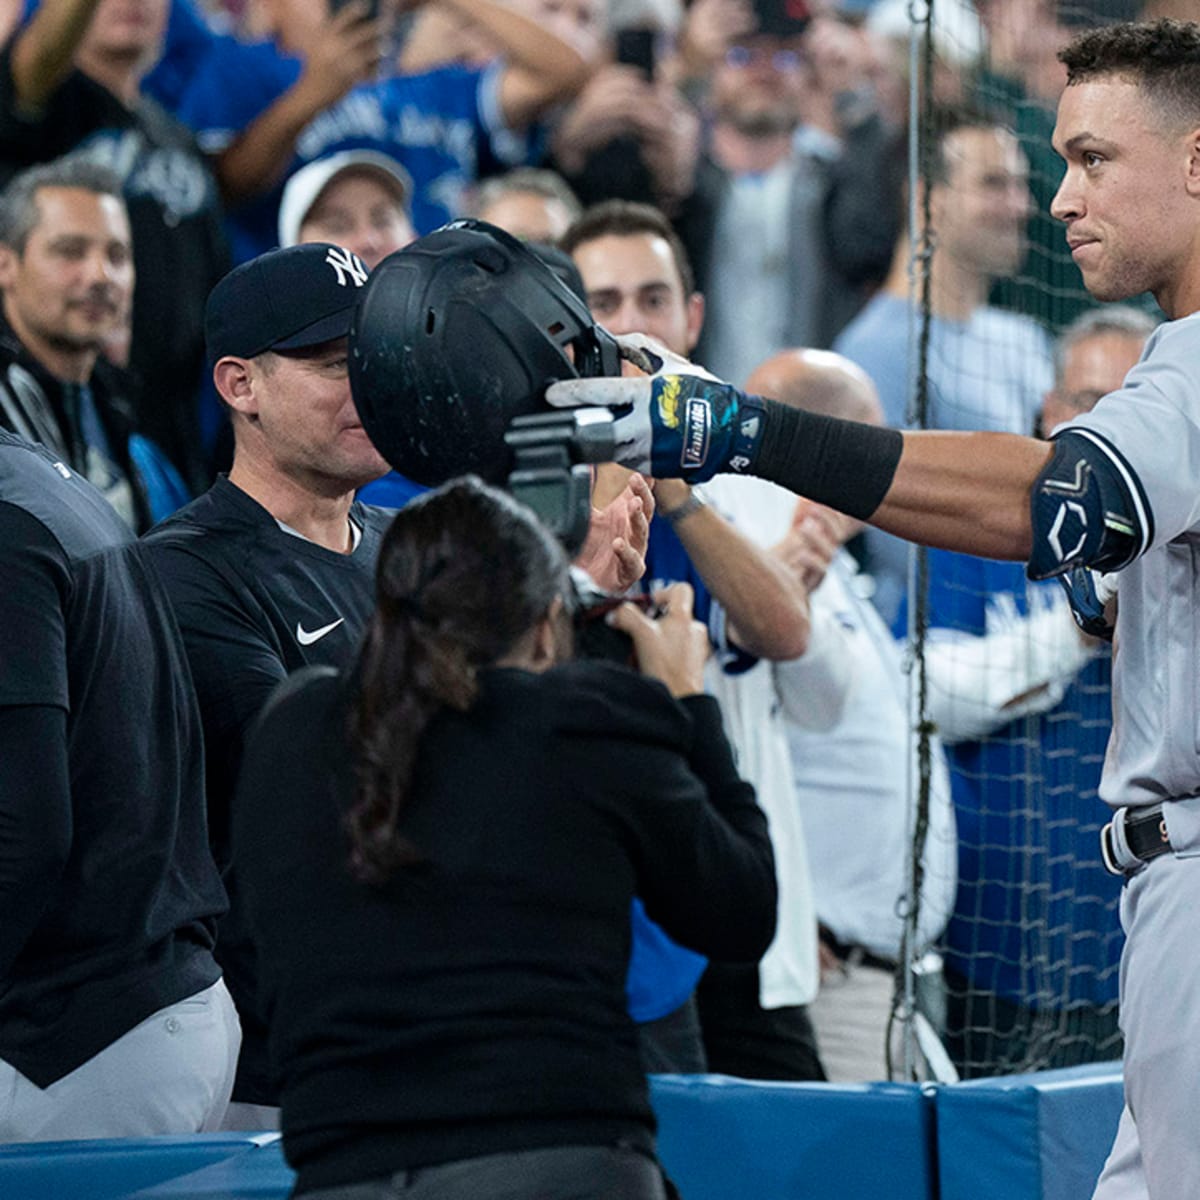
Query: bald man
x=851 y=744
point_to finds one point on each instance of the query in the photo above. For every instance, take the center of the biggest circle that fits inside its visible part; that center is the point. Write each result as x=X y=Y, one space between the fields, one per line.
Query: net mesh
x=1030 y=955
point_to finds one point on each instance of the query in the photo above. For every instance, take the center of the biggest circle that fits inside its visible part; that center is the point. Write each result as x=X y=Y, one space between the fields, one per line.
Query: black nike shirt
x=255 y=603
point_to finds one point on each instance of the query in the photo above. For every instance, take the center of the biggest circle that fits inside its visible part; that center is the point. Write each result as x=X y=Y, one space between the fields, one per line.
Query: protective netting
x=1030 y=956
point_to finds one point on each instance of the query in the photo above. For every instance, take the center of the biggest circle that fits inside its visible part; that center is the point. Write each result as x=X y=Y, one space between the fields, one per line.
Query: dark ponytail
x=463 y=573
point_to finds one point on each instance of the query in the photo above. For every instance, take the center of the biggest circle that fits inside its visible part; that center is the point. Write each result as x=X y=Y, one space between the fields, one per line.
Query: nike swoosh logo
x=306 y=639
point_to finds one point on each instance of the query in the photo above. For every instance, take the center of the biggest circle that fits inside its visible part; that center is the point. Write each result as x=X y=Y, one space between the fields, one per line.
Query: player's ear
x=234 y=380
x=1192 y=182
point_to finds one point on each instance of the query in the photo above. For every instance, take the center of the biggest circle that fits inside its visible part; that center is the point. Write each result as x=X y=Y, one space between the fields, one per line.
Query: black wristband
x=846 y=465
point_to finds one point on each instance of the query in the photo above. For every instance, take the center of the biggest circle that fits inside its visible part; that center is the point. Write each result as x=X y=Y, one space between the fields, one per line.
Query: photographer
x=440 y=849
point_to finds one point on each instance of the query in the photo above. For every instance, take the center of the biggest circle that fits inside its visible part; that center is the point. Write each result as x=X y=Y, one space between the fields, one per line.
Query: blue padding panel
x=259 y=1175
x=729 y=1139
x=1043 y=1136
x=109 y=1168
x=720 y=1139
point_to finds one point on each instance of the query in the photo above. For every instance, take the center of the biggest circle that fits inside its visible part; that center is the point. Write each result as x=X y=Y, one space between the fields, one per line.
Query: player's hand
x=673 y=419
x=672 y=647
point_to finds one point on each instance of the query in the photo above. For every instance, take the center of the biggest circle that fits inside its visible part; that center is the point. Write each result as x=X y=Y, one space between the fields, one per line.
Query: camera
x=551 y=454
x=594 y=636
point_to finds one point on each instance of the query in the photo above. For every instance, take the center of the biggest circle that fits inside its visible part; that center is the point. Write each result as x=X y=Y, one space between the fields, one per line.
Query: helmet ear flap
x=455 y=336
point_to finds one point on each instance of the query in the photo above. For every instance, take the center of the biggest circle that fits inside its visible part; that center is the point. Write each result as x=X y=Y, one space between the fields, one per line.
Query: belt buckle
x=1106 y=851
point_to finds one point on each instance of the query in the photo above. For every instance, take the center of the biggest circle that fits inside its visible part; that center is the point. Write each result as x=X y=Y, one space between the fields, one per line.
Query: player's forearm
x=964 y=491
x=959 y=491
x=44 y=52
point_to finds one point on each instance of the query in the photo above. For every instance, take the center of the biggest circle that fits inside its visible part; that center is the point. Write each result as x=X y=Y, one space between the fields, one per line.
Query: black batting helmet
x=453 y=337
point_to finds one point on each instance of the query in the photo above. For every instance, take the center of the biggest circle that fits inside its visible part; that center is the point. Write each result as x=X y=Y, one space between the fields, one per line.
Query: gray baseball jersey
x=1153 y=422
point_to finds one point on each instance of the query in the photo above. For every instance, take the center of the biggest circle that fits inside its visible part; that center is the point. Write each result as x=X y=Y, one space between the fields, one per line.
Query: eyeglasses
x=784 y=61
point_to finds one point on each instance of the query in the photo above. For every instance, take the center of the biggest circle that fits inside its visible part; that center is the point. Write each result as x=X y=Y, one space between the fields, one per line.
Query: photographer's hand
x=681 y=423
x=671 y=648
x=614 y=554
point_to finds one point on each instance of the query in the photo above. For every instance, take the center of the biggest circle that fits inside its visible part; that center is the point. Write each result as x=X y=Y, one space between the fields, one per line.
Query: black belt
x=1145 y=835
x=854 y=955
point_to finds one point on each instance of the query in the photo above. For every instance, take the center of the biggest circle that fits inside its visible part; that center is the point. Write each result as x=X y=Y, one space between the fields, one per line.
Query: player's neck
x=317 y=510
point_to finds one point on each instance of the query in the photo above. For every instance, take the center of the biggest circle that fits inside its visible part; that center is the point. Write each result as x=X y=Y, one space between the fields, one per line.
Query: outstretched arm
x=347 y=53
x=963 y=491
x=960 y=491
x=44 y=52
x=540 y=68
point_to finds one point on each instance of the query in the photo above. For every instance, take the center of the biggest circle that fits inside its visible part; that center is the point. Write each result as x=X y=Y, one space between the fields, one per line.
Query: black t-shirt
x=127 y=927
x=476 y=1004
x=179 y=247
x=255 y=603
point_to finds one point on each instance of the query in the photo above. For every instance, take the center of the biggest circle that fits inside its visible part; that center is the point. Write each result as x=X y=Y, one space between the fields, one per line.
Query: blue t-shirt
x=1035 y=917
x=444 y=126
x=188 y=42
x=989 y=371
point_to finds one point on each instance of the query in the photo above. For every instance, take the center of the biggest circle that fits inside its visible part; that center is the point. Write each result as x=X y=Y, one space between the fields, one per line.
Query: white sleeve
x=1022 y=664
x=815 y=688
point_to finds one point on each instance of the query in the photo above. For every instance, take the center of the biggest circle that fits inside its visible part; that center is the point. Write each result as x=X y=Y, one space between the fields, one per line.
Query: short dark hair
x=623 y=218
x=948 y=120
x=1161 y=57
x=18 y=202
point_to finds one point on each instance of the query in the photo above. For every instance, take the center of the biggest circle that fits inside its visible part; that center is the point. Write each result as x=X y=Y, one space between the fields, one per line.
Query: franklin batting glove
x=679 y=422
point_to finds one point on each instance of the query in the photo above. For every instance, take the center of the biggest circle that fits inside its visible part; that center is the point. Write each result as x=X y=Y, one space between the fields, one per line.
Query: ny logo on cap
x=349 y=267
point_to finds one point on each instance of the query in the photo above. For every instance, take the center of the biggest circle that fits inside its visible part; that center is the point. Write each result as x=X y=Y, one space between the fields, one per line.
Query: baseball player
x=1114 y=491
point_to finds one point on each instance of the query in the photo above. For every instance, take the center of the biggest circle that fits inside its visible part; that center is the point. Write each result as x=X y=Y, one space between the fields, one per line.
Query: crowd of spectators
x=727 y=175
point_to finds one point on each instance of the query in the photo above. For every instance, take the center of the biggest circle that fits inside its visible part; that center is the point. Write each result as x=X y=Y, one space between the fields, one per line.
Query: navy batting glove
x=700 y=427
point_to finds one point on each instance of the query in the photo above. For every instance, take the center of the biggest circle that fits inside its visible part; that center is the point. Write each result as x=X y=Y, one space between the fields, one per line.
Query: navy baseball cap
x=284 y=300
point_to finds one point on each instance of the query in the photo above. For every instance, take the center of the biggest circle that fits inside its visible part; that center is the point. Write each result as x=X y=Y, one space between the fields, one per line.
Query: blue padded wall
x=728 y=1139
x=720 y=1139
x=1043 y=1136
x=109 y=1168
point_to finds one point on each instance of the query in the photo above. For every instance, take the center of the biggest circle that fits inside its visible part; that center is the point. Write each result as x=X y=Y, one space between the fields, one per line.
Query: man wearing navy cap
x=272 y=568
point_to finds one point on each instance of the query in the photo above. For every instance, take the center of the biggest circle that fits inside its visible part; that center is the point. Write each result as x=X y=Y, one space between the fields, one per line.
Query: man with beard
x=66 y=280
x=791 y=220
x=70 y=83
